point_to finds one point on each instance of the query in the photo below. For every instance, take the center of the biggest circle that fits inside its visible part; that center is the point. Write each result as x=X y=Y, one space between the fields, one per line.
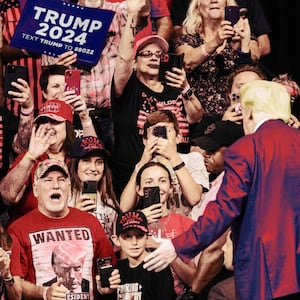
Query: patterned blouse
x=210 y=78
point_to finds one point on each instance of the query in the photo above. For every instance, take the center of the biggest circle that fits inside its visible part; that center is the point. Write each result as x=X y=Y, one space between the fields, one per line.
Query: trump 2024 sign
x=53 y=27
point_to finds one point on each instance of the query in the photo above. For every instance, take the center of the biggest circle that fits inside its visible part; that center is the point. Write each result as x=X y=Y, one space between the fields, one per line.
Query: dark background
x=284 y=19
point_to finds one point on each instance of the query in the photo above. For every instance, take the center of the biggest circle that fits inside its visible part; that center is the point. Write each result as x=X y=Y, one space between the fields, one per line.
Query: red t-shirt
x=35 y=236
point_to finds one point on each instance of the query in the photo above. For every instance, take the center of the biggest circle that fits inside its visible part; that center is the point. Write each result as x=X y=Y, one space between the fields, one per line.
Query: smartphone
x=160 y=131
x=232 y=14
x=104 y=267
x=12 y=73
x=167 y=61
x=151 y=196
x=72 y=79
x=90 y=190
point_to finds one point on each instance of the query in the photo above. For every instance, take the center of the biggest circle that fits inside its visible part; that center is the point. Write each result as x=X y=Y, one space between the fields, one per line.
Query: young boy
x=137 y=282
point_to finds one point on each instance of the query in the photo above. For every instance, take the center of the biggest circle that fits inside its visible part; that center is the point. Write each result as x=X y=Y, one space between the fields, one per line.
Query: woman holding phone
x=91 y=181
x=138 y=91
x=212 y=47
x=168 y=223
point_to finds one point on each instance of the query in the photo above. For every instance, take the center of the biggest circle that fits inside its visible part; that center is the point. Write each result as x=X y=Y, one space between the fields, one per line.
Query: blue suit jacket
x=260 y=197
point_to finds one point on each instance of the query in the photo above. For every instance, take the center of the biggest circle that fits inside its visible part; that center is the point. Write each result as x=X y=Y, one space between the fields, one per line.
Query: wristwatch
x=9 y=281
x=188 y=94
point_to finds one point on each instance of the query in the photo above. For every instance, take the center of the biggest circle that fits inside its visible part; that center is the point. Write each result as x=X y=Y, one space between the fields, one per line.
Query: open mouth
x=55 y=196
x=153 y=66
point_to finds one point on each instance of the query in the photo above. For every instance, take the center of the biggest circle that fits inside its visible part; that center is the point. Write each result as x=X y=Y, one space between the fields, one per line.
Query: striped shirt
x=11 y=17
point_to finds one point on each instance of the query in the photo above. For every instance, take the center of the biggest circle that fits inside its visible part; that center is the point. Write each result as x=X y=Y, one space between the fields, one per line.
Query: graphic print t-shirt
x=140 y=284
x=130 y=111
x=36 y=242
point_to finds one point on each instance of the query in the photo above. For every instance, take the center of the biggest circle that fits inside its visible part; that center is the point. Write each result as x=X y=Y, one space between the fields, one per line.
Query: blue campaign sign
x=53 y=27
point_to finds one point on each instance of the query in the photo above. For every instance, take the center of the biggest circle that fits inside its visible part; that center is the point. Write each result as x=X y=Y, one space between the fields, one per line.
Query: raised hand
x=23 y=96
x=67 y=59
x=39 y=141
x=56 y=290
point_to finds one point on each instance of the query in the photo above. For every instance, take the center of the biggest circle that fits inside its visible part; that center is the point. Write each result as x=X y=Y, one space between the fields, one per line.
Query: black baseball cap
x=219 y=134
x=86 y=145
x=131 y=219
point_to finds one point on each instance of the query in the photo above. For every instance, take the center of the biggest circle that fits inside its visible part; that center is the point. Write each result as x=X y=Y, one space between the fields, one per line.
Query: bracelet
x=26 y=111
x=29 y=156
x=45 y=292
x=86 y=124
x=185 y=90
x=9 y=281
x=203 y=50
x=178 y=167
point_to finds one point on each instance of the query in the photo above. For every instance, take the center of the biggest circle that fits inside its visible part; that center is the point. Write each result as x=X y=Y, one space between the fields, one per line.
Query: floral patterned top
x=210 y=78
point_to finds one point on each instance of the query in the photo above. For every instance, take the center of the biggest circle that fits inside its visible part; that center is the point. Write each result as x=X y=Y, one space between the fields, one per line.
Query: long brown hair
x=105 y=185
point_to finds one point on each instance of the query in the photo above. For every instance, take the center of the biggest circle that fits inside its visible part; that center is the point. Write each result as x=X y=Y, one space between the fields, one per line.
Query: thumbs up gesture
x=56 y=291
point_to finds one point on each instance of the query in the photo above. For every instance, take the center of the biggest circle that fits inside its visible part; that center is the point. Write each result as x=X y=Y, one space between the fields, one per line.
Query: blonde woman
x=212 y=48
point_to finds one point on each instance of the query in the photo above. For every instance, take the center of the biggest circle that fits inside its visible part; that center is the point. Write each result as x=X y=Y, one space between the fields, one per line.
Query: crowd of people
x=139 y=186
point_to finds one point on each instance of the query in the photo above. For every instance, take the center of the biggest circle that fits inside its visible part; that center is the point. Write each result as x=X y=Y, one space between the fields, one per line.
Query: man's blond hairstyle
x=267 y=99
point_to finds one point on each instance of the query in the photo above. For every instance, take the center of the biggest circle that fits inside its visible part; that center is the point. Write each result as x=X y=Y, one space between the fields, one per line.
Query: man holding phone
x=55 y=241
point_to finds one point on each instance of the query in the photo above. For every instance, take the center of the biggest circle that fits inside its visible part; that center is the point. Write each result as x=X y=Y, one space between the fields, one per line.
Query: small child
x=136 y=282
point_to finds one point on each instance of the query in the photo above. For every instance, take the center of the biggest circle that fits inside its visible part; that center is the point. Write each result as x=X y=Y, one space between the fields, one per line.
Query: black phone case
x=12 y=73
x=160 y=131
x=104 y=266
x=89 y=187
x=167 y=61
x=151 y=196
x=232 y=14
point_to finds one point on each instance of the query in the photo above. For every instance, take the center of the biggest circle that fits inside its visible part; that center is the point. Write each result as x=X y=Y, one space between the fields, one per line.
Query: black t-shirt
x=129 y=113
x=143 y=284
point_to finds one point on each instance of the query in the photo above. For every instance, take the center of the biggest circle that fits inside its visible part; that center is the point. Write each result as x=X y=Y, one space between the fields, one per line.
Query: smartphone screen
x=12 y=73
x=72 y=79
x=232 y=14
x=167 y=61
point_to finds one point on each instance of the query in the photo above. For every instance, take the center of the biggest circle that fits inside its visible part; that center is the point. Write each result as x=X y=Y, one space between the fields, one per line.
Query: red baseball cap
x=151 y=39
x=56 y=110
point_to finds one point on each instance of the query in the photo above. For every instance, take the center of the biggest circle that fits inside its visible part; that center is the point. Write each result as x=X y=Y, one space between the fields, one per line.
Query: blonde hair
x=267 y=99
x=193 y=21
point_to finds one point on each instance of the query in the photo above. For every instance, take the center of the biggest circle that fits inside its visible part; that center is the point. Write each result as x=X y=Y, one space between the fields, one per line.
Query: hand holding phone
x=72 y=79
x=104 y=267
x=232 y=14
x=167 y=62
x=12 y=73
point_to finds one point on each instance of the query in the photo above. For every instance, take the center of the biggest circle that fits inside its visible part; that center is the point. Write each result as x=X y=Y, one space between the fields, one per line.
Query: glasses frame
x=149 y=53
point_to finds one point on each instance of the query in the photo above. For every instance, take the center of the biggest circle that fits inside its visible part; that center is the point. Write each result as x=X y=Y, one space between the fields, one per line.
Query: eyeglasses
x=148 y=53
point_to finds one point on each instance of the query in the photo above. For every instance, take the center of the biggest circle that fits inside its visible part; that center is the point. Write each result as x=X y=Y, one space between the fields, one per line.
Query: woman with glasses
x=138 y=91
